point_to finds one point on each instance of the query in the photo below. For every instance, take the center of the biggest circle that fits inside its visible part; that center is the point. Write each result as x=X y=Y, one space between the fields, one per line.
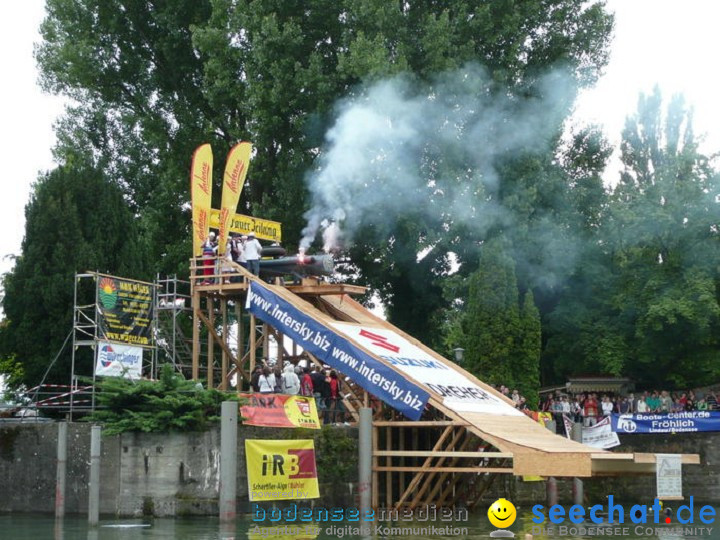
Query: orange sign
x=279 y=410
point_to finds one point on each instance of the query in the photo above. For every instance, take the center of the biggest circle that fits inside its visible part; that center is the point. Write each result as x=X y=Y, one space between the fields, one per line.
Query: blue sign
x=337 y=352
x=680 y=422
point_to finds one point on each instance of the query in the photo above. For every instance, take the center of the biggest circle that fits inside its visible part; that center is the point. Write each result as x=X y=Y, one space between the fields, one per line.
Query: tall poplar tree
x=501 y=336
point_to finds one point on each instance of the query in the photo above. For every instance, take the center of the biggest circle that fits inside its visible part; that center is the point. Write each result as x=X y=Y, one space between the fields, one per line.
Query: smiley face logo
x=502 y=513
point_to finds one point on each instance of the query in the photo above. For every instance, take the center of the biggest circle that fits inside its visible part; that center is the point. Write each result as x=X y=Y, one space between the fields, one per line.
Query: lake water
x=40 y=527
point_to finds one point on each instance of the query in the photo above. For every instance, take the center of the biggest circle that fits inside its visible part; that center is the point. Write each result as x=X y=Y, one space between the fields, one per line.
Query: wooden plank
x=210 y=306
x=388 y=463
x=375 y=495
x=440 y=482
x=686 y=459
x=322 y=289
x=553 y=464
x=266 y=344
x=401 y=445
x=196 y=337
x=416 y=479
x=614 y=455
x=434 y=469
x=220 y=342
x=442 y=453
x=441 y=462
x=280 y=347
x=224 y=362
x=253 y=343
x=240 y=345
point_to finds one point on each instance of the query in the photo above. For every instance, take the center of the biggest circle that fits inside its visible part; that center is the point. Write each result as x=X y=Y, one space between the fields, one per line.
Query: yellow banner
x=201 y=194
x=281 y=470
x=264 y=229
x=236 y=168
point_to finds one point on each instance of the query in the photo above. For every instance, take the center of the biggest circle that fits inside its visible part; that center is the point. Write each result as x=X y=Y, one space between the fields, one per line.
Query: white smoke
x=397 y=147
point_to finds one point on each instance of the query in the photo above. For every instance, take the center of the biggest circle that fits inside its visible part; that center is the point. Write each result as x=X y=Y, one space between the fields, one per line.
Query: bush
x=170 y=404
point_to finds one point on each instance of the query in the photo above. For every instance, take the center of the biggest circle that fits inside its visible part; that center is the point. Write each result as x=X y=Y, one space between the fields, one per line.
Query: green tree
x=645 y=302
x=153 y=80
x=500 y=336
x=664 y=229
x=529 y=344
x=75 y=221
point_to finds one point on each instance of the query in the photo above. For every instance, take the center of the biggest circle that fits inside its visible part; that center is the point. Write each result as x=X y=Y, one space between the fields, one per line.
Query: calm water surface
x=40 y=527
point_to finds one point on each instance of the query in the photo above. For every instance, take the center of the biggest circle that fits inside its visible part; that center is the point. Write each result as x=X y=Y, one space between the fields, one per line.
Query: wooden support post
x=280 y=348
x=240 y=341
x=266 y=344
x=429 y=477
x=376 y=475
x=388 y=474
x=223 y=345
x=480 y=490
x=401 y=447
x=253 y=343
x=224 y=365
x=418 y=476
x=441 y=481
x=210 y=303
x=196 y=336
x=415 y=444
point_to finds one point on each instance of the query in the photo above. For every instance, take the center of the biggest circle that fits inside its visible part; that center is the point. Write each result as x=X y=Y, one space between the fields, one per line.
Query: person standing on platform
x=209 y=251
x=290 y=381
x=319 y=381
x=266 y=381
x=252 y=250
x=306 y=384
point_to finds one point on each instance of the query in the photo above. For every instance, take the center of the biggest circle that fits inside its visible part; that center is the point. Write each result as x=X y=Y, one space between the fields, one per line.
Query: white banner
x=458 y=392
x=668 y=472
x=114 y=360
x=600 y=435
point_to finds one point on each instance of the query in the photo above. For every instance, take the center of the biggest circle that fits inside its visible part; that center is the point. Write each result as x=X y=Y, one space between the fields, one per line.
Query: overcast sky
x=672 y=43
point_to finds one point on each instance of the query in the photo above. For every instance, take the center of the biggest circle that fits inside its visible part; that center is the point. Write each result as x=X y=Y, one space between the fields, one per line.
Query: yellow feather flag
x=201 y=195
x=236 y=168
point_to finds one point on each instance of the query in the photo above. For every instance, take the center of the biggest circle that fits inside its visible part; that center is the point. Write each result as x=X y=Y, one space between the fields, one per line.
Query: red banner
x=279 y=410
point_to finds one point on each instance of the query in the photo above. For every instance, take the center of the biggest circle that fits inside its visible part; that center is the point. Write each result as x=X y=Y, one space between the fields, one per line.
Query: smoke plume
x=433 y=149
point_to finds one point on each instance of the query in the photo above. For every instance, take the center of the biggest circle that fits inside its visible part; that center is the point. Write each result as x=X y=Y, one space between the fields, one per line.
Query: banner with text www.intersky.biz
x=337 y=352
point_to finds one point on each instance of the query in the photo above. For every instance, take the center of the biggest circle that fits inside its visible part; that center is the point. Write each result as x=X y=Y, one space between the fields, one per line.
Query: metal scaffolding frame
x=85 y=331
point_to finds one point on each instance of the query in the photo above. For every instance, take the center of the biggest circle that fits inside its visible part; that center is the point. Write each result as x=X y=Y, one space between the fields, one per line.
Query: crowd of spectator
x=321 y=383
x=589 y=408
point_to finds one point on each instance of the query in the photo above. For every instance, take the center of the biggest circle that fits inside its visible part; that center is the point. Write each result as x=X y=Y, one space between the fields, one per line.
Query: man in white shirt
x=252 y=251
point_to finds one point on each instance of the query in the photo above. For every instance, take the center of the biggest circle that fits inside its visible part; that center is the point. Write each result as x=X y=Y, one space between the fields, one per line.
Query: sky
x=671 y=43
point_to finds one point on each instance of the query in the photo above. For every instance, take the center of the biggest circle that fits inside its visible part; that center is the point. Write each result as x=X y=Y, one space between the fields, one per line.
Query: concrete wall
x=28 y=457
x=178 y=473
x=142 y=473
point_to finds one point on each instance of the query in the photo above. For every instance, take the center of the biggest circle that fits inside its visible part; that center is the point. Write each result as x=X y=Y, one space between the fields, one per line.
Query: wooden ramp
x=535 y=450
x=459 y=445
